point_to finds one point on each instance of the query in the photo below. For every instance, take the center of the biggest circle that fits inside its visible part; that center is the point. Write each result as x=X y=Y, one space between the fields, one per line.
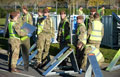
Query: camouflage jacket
x=27 y=18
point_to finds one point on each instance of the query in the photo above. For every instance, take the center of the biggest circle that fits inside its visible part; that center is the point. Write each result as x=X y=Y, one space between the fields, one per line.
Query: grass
x=2 y=21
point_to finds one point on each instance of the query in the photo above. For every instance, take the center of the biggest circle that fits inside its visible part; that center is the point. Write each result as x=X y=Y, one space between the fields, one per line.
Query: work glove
x=29 y=35
x=52 y=40
x=44 y=17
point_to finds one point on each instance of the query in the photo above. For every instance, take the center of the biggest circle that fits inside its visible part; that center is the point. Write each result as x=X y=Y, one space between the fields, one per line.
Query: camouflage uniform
x=44 y=39
x=15 y=43
x=63 y=36
x=26 y=42
x=91 y=19
x=92 y=43
x=81 y=37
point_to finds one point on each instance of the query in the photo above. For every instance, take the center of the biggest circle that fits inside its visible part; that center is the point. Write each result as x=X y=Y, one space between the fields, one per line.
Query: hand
x=29 y=35
x=80 y=45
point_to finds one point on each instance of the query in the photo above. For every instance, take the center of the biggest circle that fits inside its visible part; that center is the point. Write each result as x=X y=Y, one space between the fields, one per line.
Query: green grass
x=2 y=21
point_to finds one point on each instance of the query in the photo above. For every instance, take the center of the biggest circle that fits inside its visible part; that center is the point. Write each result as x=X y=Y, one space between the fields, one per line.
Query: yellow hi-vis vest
x=96 y=34
x=63 y=31
x=96 y=51
x=41 y=25
x=12 y=33
x=84 y=40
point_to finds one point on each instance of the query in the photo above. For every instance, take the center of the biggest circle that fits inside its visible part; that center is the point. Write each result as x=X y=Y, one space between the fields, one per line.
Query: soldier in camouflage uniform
x=63 y=36
x=45 y=33
x=40 y=13
x=26 y=40
x=89 y=19
x=14 y=39
x=81 y=38
x=96 y=33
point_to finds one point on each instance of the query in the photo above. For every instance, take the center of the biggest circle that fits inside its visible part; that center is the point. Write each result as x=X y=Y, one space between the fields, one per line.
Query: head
x=93 y=11
x=80 y=19
x=46 y=12
x=14 y=16
x=40 y=12
x=18 y=11
x=103 y=7
x=81 y=8
x=24 y=9
x=62 y=14
x=96 y=16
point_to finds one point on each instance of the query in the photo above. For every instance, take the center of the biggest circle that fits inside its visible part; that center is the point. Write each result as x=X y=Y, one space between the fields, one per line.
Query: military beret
x=46 y=10
x=24 y=7
x=62 y=12
x=40 y=10
x=93 y=10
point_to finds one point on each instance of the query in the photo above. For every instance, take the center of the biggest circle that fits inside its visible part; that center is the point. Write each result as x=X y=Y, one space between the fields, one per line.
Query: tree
x=95 y=3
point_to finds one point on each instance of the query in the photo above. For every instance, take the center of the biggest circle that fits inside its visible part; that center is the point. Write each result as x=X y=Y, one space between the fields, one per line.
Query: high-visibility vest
x=96 y=34
x=96 y=51
x=99 y=12
x=12 y=32
x=41 y=26
x=27 y=20
x=84 y=40
x=63 y=31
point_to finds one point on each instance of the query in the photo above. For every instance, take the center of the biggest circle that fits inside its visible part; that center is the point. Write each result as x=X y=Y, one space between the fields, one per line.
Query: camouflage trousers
x=85 y=52
x=25 y=52
x=14 y=51
x=43 y=45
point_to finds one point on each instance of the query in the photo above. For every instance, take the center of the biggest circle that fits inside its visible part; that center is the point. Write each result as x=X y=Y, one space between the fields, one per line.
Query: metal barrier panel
x=111 y=32
x=108 y=30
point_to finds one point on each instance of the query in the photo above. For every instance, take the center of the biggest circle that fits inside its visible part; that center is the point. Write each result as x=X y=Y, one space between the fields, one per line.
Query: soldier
x=14 y=39
x=80 y=11
x=81 y=38
x=88 y=20
x=40 y=19
x=40 y=13
x=101 y=11
x=94 y=40
x=63 y=36
x=45 y=33
x=26 y=40
x=26 y=16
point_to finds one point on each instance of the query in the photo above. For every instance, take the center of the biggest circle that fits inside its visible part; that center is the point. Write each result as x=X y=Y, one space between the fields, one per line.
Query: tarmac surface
x=38 y=73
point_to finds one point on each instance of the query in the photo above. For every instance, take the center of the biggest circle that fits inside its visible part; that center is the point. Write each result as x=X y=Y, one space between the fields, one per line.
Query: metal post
x=70 y=27
x=56 y=7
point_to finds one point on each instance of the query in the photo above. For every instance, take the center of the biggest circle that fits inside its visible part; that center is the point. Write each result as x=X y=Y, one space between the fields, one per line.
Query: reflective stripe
x=96 y=51
x=96 y=33
x=24 y=38
x=95 y=36
x=11 y=30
